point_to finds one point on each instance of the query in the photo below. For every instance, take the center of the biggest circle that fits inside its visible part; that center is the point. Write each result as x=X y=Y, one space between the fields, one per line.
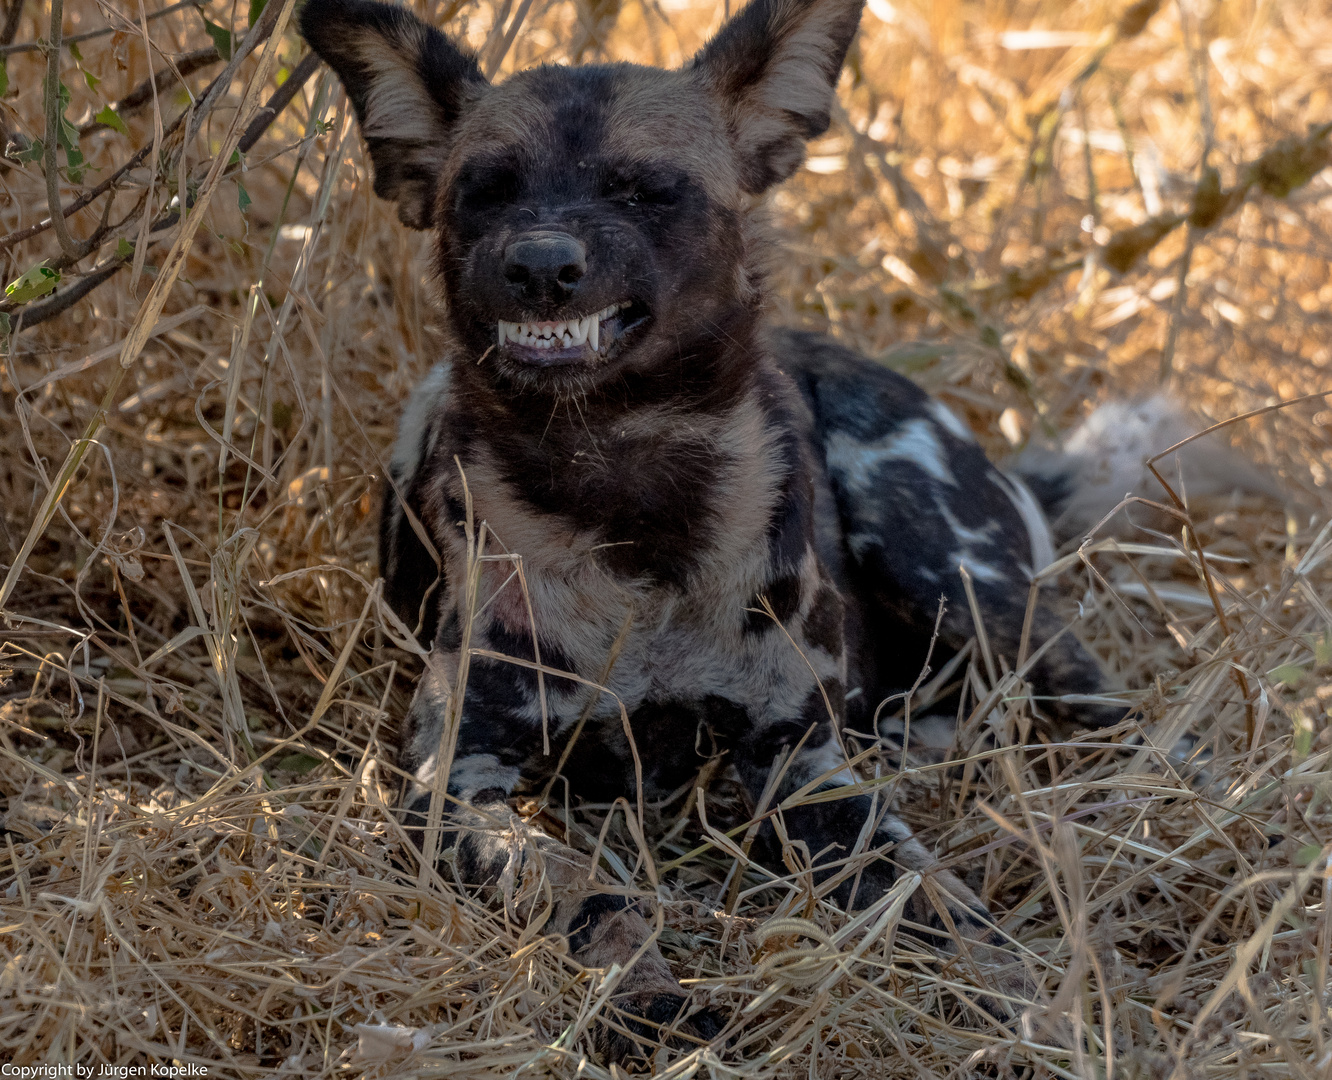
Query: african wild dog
x=665 y=463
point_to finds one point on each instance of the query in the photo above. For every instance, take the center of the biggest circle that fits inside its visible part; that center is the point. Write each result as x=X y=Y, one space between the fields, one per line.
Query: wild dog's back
x=917 y=505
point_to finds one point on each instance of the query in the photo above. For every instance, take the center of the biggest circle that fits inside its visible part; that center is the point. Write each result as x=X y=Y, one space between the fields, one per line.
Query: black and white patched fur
x=742 y=532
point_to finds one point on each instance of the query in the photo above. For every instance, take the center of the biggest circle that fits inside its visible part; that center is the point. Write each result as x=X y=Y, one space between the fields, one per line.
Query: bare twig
x=1279 y=170
x=933 y=239
x=281 y=98
x=34 y=314
x=6 y=49
x=142 y=94
x=12 y=18
x=60 y=302
x=71 y=247
x=500 y=49
x=210 y=97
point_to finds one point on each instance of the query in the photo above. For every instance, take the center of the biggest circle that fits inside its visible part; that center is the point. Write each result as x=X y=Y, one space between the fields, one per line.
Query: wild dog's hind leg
x=491 y=847
x=918 y=499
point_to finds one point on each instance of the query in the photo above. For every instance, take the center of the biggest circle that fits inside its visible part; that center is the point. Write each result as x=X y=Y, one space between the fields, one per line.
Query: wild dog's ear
x=408 y=84
x=773 y=67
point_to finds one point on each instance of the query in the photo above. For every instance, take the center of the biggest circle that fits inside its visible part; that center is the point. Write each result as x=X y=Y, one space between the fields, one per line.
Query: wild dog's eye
x=654 y=188
x=484 y=184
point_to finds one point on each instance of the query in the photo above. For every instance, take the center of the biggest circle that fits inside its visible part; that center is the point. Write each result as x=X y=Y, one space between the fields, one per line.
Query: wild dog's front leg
x=831 y=831
x=491 y=847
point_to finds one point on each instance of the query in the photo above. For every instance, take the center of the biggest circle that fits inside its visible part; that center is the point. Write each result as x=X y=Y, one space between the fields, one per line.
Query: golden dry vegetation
x=1030 y=207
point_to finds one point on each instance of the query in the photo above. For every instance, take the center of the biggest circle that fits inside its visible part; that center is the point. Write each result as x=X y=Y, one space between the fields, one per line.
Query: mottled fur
x=754 y=525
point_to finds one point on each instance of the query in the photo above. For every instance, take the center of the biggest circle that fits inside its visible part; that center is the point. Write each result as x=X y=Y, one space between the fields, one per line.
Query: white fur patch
x=410 y=447
x=468 y=776
x=949 y=422
x=1038 y=528
x=981 y=571
x=967 y=538
x=915 y=442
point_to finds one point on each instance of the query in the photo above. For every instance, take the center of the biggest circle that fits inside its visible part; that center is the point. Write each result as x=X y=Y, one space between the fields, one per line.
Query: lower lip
x=576 y=354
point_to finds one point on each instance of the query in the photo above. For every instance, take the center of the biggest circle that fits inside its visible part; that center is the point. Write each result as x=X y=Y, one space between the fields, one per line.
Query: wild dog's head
x=588 y=219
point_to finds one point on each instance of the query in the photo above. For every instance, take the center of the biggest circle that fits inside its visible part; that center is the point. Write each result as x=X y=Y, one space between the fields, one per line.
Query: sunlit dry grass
x=199 y=863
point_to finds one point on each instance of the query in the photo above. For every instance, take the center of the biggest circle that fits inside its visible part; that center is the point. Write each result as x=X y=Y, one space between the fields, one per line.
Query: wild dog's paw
x=988 y=958
x=638 y=1024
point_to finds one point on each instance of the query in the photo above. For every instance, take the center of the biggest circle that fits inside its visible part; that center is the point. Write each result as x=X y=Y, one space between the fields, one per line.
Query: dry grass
x=192 y=871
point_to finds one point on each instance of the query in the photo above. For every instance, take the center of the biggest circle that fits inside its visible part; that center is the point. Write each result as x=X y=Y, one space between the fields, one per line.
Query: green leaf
x=1302 y=735
x=299 y=763
x=74 y=51
x=74 y=164
x=1323 y=650
x=1307 y=854
x=4 y=78
x=111 y=119
x=1287 y=674
x=243 y=199
x=69 y=139
x=38 y=281
x=91 y=79
x=257 y=9
x=221 y=38
x=124 y=249
x=35 y=151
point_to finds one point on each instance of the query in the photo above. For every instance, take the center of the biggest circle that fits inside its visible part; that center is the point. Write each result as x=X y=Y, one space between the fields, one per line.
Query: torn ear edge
x=408 y=84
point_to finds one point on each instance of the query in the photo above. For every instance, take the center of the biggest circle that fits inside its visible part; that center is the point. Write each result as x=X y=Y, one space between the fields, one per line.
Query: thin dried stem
x=73 y=249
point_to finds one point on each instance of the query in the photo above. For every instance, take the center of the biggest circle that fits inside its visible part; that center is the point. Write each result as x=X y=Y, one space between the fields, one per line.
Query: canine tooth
x=594 y=333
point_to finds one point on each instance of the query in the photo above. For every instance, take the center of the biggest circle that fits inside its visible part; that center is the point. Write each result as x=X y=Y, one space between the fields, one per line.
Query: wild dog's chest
x=635 y=559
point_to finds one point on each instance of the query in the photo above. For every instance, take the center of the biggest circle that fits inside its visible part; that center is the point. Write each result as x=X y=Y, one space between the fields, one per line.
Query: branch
x=71 y=247
x=62 y=301
x=281 y=98
x=12 y=18
x=933 y=238
x=6 y=49
x=33 y=314
x=1278 y=171
x=142 y=94
x=257 y=34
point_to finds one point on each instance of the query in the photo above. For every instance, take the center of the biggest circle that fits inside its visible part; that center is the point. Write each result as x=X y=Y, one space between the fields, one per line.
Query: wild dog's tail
x=1103 y=460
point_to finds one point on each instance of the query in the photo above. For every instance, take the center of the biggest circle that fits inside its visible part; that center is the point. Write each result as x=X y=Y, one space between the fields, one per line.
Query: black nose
x=544 y=266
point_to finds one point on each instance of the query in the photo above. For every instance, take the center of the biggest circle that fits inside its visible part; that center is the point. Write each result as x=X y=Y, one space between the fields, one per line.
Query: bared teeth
x=556 y=335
